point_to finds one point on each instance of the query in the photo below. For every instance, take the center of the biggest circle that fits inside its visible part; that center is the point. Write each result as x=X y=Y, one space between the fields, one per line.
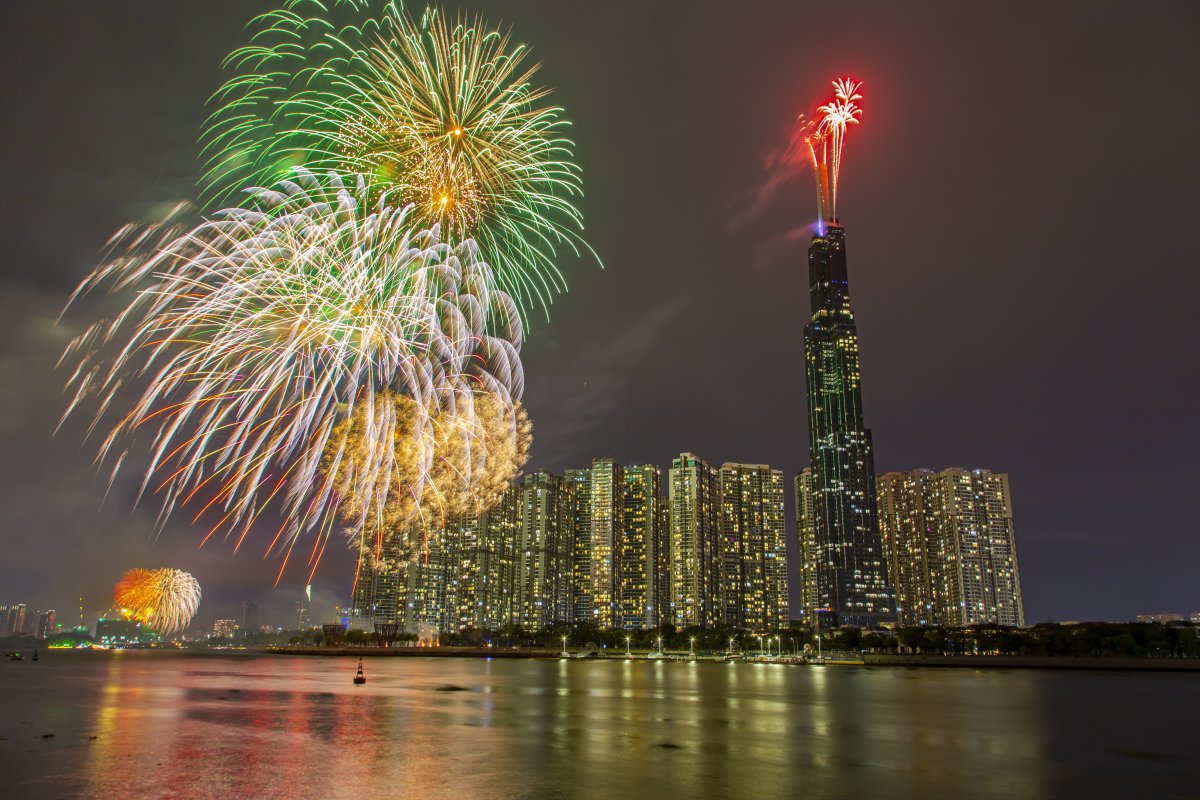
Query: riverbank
x=959 y=662
x=1036 y=662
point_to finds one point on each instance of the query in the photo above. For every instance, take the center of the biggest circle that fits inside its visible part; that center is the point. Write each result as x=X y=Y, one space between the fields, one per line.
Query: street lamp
x=693 y=647
x=564 y=650
x=795 y=650
x=627 y=653
x=730 y=645
x=778 y=647
x=760 y=647
x=660 y=650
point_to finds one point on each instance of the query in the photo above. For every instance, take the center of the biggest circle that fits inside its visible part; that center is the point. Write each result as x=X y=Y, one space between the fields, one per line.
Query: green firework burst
x=441 y=114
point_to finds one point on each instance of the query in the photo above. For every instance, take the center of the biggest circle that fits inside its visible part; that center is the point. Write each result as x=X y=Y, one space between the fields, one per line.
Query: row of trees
x=1153 y=640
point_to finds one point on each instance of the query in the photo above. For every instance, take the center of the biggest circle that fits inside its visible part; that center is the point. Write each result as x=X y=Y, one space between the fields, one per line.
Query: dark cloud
x=1019 y=202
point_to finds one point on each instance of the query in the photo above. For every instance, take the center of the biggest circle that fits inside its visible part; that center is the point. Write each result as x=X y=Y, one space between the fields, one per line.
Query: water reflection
x=139 y=725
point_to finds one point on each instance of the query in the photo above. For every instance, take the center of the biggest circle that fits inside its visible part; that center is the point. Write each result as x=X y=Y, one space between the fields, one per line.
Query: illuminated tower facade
x=852 y=583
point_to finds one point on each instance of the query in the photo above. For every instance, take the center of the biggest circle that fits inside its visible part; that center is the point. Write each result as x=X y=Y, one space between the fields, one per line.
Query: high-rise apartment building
x=977 y=522
x=852 y=583
x=499 y=603
x=607 y=513
x=45 y=624
x=221 y=629
x=661 y=577
x=430 y=576
x=547 y=553
x=696 y=552
x=250 y=618
x=949 y=537
x=806 y=546
x=380 y=584
x=459 y=546
x=579 y=482
x=753 y=587
x=12 y=619
x=913 y=546
x=641 y=545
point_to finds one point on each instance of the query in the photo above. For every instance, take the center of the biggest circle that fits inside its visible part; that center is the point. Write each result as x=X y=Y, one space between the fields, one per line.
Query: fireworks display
x=164 y=599
x=266 y=327
x=440 y=112
x=822 y=137
x=338 y=346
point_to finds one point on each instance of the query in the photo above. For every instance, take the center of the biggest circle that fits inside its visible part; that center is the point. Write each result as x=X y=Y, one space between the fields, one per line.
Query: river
x=144 y=724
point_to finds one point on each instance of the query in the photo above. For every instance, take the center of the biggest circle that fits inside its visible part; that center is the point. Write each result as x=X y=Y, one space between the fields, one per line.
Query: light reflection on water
x=153 y=724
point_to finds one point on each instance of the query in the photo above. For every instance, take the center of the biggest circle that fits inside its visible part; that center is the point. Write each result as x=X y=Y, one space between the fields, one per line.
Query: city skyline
x=943 y=281
x=527 y=546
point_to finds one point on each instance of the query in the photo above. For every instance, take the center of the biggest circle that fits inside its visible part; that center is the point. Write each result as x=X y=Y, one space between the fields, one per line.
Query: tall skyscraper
x=696 y=551
x=547 y=554
x=303 y=619
x=852 y=584
x=641 y=543
x=950 y=536
x=753 y=588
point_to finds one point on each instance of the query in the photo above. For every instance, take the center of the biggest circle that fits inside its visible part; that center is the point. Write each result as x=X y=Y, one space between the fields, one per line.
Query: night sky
x=1020 y=205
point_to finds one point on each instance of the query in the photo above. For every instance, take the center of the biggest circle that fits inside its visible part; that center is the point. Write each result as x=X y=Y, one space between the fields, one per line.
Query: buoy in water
x=360 y=678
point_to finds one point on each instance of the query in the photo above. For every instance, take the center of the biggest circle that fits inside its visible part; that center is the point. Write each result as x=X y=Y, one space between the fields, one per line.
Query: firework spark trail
x=836 y=115
x=165 y=599
x=263 y=328
x=443 y=113
x=821 y=138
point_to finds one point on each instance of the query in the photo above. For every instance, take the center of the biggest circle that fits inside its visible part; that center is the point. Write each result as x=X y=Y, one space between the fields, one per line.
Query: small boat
x=15 y=657
x=360 y=679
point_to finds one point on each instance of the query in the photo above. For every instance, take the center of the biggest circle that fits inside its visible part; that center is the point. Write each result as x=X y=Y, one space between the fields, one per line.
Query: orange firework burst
x=165 y=599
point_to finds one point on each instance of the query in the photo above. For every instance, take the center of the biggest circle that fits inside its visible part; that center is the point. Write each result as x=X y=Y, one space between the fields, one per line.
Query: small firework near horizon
x=164 y=599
